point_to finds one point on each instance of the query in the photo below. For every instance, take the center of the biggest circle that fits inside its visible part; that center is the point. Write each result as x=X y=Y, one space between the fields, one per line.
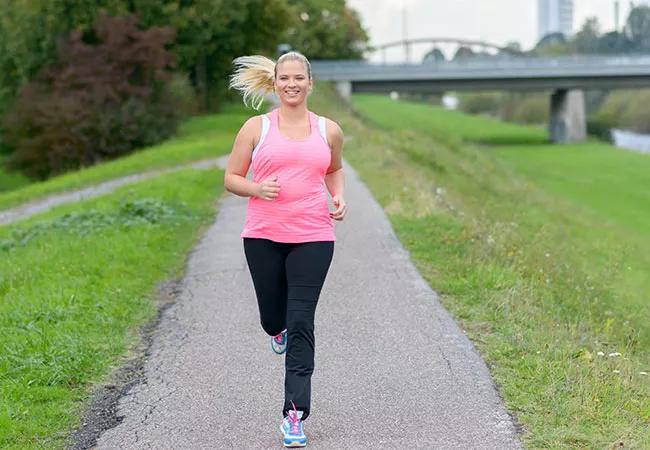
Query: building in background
x=555 y=16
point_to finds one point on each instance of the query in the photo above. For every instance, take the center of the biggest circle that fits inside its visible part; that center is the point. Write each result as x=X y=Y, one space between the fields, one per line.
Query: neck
x=294 y=113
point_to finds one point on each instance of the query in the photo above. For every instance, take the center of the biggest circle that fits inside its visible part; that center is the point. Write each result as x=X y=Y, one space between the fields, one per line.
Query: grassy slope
x=613 y=182
x=198 y=138
x=446 y=124
x=541 y=282
x=76 y=282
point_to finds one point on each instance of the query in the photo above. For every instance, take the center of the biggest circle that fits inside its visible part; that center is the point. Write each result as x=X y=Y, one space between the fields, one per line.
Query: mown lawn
x=549 y=281
x=75 y=285
x=198 y=138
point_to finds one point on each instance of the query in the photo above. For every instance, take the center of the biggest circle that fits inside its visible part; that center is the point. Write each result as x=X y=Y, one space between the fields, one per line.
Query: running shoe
x=279 y=343
x=292 y=430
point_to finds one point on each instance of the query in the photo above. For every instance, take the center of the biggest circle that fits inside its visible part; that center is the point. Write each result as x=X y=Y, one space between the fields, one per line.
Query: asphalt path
x=393 y=370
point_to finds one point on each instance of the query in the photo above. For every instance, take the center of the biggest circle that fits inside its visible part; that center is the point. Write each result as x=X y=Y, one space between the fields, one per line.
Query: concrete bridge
x=566 y=77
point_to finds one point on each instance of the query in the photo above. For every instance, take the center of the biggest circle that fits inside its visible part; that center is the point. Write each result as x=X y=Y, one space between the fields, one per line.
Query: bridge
x=565 y=76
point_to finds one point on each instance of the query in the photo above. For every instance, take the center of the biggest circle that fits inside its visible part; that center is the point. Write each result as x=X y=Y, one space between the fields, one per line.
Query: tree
x=463 y=52
x=586 y=40
x=326 y=29
x=615 y=42
x=552 y=44
x=434 y=56
x=210 y=33
x=100 y=100
x=31 y=31
x=637 y=28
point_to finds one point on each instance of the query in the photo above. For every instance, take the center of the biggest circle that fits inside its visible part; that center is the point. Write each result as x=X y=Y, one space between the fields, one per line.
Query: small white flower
x=616 y=371
x=548 y=254
x=643 y=373
x=614 y=354
x=490 y=240
x=600 y=354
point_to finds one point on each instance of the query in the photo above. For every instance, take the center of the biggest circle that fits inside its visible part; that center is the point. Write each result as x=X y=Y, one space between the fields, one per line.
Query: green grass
x=198 y=138
x=613 y=182
x=540 y=278
x=10 y=180
x=445 y=125
x=76 y=275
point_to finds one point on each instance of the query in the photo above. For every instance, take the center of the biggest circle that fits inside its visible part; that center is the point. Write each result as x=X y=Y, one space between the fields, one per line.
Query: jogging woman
x=288 y=235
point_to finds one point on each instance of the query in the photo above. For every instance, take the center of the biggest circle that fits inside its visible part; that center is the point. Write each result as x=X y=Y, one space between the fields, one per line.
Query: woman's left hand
x=341 y=208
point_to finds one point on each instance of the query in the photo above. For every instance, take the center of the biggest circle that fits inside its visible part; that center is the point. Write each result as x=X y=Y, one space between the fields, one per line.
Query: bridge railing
x=478 y=62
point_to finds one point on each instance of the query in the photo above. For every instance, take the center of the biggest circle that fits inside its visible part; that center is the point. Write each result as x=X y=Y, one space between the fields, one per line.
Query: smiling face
x=292 y=82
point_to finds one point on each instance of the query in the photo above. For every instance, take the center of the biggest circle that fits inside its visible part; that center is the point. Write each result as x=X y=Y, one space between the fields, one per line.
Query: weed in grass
x=130 y=213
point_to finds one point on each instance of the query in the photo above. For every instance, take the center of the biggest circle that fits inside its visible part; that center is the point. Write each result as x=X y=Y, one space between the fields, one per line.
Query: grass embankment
x=198 y=138
x=549 y=281
x=446 y=125
x=75 y=284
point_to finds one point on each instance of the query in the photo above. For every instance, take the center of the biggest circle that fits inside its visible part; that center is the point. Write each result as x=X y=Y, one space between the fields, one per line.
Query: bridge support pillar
x=567 y=121
x=344 y=89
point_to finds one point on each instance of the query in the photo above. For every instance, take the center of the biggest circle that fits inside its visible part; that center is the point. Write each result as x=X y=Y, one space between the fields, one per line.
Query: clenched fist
x=268 y=189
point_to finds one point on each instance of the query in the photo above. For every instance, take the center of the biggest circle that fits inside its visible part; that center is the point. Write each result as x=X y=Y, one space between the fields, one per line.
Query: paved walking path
x=393 y=370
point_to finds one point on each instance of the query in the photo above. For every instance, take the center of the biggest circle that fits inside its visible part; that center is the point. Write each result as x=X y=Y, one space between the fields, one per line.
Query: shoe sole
x=293 y=442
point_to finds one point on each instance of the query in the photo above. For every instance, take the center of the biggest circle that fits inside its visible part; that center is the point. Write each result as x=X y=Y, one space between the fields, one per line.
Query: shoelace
x=294 y=419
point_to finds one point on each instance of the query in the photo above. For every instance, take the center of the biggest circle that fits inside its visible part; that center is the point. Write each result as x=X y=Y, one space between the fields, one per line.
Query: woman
x=289 y=231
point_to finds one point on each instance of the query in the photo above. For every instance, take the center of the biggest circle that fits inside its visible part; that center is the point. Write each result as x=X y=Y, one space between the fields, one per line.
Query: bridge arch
x=407 y=43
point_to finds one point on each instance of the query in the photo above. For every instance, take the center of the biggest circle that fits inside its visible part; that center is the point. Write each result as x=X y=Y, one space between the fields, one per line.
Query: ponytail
x=253 y=77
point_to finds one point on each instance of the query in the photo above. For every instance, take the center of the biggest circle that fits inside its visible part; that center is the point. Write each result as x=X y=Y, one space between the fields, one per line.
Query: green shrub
x=626 y=109
x=526 y=108
x=480 y=102
x=100 y=101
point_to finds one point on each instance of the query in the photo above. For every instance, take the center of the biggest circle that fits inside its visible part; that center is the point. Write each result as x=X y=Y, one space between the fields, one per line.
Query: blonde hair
x=254 y=75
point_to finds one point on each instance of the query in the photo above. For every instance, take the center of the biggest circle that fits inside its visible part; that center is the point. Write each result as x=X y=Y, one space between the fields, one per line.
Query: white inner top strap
x=323 y=128
x=266 y=124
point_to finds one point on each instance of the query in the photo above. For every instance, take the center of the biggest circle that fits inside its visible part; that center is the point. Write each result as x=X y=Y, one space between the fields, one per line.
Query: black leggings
x=288 y=279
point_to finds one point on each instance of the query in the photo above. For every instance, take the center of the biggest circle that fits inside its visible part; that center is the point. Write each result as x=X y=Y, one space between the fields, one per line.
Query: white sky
x=494 y=21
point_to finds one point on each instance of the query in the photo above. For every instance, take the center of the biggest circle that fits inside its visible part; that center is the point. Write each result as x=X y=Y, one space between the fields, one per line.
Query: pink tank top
x=300 y=213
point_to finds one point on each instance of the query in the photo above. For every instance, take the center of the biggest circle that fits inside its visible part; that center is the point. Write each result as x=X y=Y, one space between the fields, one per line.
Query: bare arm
x=235 y=180
x=335 y=178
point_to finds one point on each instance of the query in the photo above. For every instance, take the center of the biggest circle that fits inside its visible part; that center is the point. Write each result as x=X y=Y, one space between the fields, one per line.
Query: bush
x=183 y=95
x=612 y=110
x=100 y=101
x=528 y=107
x=626 y=110
x=480 y=102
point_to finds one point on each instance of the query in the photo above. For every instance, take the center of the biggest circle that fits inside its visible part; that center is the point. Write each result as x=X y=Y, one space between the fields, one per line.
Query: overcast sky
x=495 y=21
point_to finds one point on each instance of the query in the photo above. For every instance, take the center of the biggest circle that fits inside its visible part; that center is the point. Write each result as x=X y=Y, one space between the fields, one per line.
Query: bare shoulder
x=334 y=131
x=251 y=130
x=253 y=124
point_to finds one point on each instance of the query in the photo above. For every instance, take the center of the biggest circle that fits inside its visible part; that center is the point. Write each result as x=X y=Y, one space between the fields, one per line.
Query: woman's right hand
x=268 y=189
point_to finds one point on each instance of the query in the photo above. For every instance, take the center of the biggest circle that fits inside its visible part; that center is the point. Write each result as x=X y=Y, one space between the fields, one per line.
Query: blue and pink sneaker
x=279 y=343
x=292 y=429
